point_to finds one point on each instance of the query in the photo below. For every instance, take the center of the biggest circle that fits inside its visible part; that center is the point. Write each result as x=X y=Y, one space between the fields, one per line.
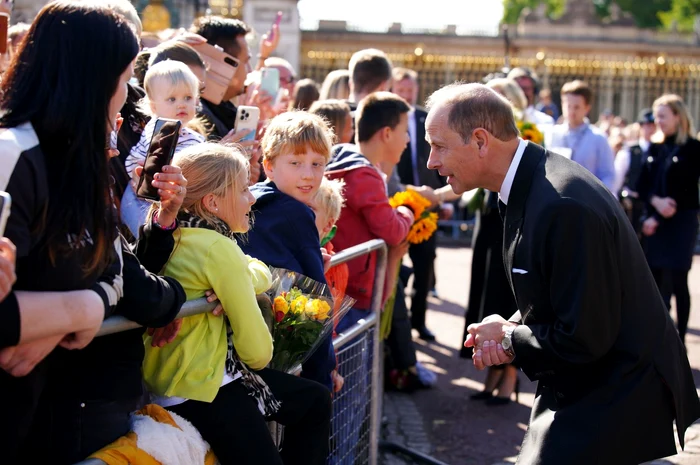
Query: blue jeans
x=133 y=211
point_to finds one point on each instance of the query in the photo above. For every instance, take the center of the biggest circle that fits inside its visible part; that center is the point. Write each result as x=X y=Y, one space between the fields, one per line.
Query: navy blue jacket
x=284 y=235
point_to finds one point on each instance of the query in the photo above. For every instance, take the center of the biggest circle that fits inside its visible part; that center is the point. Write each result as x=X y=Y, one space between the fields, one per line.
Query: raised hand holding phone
x=269 y=41
x=160 y=153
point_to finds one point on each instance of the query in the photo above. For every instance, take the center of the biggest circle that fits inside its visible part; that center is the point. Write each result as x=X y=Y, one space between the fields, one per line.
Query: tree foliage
x=647 y=13
x=512 y=9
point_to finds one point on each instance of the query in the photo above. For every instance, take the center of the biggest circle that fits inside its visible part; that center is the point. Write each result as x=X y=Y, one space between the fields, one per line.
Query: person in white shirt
x=628 y=166
x=527 y=80
x=172 y=91
x=579 y=140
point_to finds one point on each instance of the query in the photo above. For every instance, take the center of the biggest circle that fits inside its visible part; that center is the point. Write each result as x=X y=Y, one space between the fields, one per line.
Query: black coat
x=594 y=329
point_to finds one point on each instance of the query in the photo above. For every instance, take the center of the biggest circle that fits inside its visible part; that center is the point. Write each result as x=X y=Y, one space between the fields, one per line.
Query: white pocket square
x=519 y=271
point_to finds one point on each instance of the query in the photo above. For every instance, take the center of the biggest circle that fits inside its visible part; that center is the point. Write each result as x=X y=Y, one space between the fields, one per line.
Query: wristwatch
x=507 y=341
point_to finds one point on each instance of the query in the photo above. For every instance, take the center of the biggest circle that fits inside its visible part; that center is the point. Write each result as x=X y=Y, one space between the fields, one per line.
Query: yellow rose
x=323 y=309
x=299 y=304
x=280 y=305
x=311 y=309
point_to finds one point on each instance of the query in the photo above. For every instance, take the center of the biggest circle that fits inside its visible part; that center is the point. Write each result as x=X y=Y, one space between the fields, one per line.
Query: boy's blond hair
x=330 y=198
x=296 y=132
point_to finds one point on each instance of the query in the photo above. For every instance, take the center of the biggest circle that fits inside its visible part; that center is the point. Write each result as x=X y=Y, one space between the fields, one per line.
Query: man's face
x=647 y=130
x=287 y=78
x=407 y=89
x=458 y=161
x=575 y=109
x=237 y=85
x=528 y=88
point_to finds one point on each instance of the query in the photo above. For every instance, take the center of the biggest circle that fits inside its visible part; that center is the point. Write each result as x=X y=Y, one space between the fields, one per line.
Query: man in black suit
x=591 y=328
x=413 y=170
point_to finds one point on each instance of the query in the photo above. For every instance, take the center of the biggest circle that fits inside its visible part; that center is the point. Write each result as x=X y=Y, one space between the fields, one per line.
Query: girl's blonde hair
x=511 y=91
x=209 y=168
x=335 y=112
x=329 y=197
x=296 y=132
x=678 y=108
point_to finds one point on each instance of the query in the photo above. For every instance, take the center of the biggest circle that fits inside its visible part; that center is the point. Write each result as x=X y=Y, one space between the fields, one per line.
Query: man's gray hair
x=473 y=106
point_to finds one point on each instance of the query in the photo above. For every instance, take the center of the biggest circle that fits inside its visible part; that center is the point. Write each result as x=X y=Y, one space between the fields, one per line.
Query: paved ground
x=462 y=432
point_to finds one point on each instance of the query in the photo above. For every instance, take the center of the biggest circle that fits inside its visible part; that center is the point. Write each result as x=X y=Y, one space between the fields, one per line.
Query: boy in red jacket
x=381 y=135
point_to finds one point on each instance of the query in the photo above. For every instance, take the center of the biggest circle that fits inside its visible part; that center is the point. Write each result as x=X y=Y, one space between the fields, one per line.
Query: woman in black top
x=59 y=100
x=669 y=186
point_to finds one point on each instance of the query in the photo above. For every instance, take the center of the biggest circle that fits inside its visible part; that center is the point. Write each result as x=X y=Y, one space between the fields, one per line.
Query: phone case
x=270 y=81
x=5 y=204
x=160 y=153
x=247 y=118
x=220 y=69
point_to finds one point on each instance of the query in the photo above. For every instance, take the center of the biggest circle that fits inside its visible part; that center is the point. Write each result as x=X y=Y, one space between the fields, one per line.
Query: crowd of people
x=79 y=104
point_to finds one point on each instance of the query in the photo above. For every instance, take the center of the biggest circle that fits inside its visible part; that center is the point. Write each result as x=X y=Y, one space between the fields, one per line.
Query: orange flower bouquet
x=529 y=131
x=303 y=313
x=425 y=223
x=424 y=226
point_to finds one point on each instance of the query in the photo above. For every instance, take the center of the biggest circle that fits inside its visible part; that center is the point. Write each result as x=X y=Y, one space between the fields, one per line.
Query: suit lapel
x=515 y=210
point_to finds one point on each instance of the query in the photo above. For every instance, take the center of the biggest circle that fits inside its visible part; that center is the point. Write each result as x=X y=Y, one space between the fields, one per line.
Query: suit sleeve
x=370 y=201
x=577 y=258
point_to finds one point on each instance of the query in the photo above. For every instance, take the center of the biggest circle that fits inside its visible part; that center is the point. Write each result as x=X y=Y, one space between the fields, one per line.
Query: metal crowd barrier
x=355 y=438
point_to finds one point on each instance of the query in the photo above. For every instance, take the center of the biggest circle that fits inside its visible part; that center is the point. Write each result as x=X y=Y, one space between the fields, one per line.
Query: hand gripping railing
x=117 y=324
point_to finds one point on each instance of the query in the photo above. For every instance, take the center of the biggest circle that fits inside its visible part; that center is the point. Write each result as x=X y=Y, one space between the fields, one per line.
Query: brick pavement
x=464 y=432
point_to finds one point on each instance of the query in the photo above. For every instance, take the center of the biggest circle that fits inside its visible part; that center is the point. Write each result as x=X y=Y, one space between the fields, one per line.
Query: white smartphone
x=247 y=118
x=5 y=204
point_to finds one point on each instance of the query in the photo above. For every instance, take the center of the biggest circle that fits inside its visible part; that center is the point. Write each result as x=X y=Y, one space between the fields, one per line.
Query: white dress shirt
x=504 y=192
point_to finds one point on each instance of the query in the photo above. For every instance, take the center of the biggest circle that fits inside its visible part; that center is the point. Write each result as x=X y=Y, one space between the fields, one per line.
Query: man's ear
x=386 y=133
x=481 y=136
x=385 y=86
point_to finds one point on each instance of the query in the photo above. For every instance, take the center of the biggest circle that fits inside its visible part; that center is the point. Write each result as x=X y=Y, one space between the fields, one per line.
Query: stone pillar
x=260 y=14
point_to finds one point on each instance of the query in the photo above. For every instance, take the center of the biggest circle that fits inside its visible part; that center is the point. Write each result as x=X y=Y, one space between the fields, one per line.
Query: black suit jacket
x=426 y=176
x=594 y=330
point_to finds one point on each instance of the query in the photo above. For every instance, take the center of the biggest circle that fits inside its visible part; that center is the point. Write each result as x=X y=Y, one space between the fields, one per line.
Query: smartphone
x=5 y=204
x=221 y=67
x=278 y=20
x=270 y=81
x=160 y=153
x=247 y=118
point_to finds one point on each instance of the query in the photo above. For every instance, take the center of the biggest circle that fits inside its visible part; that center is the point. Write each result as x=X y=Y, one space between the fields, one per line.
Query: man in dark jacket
x=612 y=372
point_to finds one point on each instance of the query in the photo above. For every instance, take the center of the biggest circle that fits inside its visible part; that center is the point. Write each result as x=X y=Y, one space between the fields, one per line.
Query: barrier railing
x=363 y=336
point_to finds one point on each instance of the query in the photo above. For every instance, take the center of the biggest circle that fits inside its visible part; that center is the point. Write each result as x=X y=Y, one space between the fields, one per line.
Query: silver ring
x=181 y=190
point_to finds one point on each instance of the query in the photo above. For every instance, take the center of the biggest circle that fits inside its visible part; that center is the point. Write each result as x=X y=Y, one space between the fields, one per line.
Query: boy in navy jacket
x=296 y=148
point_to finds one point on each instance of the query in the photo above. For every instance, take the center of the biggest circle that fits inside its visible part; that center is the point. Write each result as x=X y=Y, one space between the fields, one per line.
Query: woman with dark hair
x=58 y=104
x=305 y=93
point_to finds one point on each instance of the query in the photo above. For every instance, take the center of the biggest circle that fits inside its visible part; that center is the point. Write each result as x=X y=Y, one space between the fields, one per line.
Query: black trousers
x=675 y=282
x=400 y=340
x=423 y=256
x=238 y=433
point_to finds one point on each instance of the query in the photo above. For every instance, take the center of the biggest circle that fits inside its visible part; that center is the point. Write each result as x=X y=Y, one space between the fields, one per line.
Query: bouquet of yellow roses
x=303 y=314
